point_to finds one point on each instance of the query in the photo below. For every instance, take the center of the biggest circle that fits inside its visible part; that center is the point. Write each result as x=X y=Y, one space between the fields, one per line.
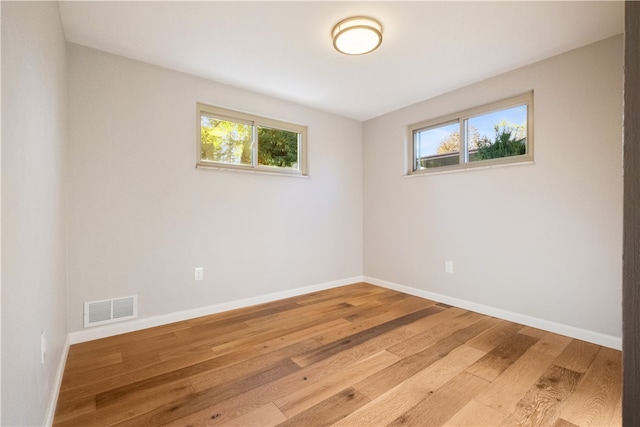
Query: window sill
x=292 y=174
x=465 y=168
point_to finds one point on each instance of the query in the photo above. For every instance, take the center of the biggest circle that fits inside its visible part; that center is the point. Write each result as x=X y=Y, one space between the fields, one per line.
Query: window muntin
x=496 y=133
x=233 y=140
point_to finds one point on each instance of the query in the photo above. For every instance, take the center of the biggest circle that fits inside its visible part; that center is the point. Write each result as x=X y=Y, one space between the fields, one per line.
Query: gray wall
x=34 y=202
x=141 y=217
x=542 y=240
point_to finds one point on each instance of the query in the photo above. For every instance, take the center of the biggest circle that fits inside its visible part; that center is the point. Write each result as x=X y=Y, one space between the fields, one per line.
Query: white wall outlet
x=198 y=273
x=43 y=347
x=448 y=267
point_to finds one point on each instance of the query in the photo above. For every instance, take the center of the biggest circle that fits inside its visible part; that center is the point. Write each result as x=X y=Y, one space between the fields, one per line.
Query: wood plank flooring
x=358 y=355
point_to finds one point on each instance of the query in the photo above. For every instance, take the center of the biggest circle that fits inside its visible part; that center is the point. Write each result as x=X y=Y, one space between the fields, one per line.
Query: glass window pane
x=277 y=148
x=437 y=146
x=225 y=141
x=498 y=134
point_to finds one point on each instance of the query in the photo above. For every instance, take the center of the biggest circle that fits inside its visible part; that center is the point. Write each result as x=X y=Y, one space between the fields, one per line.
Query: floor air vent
x=110 y=310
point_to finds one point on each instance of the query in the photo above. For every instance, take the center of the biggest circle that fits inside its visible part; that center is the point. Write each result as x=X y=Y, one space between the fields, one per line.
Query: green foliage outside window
x=508 y=142
x=231 y=142
x=277 y=147
x=225 y=141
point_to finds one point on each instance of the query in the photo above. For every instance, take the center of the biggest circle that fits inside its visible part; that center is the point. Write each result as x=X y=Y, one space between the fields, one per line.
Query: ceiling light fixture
x=357 y=35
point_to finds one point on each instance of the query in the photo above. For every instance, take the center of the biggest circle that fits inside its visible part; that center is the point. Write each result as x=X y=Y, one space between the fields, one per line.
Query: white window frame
x=460 y=118
x=255 y=121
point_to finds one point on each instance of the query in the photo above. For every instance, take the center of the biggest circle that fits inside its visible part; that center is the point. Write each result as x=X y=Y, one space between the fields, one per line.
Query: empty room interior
x=233 y=213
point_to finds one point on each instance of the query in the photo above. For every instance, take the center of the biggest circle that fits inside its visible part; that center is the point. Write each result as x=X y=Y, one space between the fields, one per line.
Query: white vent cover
x=110 y=310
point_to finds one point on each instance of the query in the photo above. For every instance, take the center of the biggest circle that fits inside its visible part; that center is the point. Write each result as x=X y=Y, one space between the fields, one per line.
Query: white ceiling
x=284 y=48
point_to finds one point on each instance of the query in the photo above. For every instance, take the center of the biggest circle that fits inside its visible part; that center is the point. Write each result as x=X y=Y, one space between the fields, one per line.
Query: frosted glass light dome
x=357 y=35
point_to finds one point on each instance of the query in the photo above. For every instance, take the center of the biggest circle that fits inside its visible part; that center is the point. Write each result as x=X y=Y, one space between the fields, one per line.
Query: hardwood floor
x=357 y=355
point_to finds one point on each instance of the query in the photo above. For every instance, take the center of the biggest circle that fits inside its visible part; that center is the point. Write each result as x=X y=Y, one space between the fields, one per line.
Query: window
x=497 y=133
x=234 y=140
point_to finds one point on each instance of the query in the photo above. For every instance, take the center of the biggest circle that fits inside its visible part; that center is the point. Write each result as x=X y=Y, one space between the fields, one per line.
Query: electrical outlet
x=198 y=273
x=43 y=347
x=448 y=267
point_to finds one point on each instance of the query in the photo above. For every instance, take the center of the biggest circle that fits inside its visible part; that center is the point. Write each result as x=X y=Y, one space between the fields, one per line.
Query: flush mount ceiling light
x=357 y=35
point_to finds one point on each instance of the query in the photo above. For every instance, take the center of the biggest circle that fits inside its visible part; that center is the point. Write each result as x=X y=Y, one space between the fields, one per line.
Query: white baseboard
x=149 y=322
x=57 y=382
x=558 y=328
